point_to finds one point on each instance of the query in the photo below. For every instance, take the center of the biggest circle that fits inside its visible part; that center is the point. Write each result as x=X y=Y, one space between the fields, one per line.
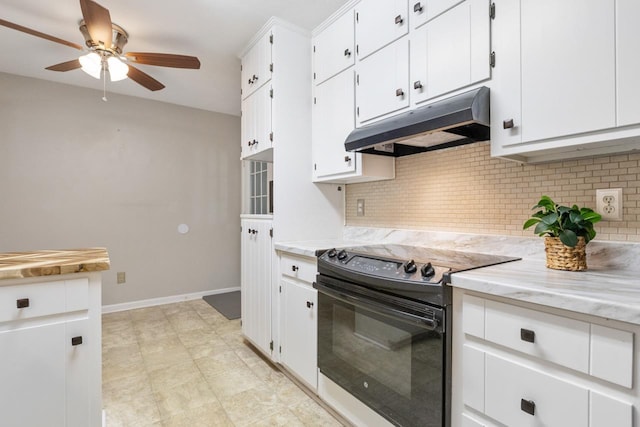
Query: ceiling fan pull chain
x=104 y=82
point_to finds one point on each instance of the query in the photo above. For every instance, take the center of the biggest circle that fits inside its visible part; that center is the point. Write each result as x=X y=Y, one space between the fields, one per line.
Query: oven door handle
x=365 y=303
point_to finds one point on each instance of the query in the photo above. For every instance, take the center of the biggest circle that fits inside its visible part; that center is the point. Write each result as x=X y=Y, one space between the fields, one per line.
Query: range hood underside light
x=461 y=119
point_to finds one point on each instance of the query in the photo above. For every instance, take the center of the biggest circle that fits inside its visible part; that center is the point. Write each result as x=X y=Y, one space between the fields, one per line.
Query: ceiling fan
x=105 y=41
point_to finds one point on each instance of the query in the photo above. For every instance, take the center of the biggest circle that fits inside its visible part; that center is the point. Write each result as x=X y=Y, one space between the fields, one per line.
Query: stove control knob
x=427 y=270
x=342 y=255
x=332 y=253
x=410 y=267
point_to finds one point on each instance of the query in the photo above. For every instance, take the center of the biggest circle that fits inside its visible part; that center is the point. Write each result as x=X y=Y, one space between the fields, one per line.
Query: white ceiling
x=215 y=31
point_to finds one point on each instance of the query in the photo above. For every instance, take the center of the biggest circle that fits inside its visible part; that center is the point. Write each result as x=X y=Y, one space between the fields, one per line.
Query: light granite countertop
x=18 y=265
x=598 y=291
x=311 y=248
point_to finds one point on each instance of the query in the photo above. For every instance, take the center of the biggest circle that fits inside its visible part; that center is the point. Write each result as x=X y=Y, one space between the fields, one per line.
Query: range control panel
x=406 y=270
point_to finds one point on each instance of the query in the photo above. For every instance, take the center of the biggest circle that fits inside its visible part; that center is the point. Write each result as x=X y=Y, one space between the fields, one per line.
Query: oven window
x=394 y=367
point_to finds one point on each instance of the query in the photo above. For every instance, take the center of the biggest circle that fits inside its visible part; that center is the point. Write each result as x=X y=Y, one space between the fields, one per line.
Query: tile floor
x=185 y=364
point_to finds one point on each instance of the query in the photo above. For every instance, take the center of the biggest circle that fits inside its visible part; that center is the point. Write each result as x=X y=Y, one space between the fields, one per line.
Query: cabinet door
x=256 y=122
x=451 y=51
x=425 y=10
x=551 y=401
x=378 y=23
x=506 y=118
x=299 y=330
x=78 y=358
x=32 y=376
x=256 y=66
x=333 y=120
x=333 y=49
x=568 y=67
x=256 y=250
x=382 y=84
x=628 y=61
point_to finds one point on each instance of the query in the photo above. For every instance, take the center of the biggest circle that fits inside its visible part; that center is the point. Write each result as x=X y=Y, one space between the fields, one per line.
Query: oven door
x=387 y=352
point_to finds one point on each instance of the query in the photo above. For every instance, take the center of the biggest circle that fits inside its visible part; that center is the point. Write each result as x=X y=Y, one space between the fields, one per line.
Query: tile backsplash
x=463 y=189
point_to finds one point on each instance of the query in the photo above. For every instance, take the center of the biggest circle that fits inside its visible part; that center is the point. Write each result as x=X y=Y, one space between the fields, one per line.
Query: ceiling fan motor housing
x=119 y=39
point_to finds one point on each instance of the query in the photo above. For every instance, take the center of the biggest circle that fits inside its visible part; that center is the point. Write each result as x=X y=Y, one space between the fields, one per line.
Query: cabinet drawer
x=301 y=268
x=43 y=299
x=556 y=339
x=519 y=396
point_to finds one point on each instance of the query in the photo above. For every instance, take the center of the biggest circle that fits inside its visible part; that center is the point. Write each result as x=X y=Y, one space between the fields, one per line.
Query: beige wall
x=465 y=190
x=78 y=172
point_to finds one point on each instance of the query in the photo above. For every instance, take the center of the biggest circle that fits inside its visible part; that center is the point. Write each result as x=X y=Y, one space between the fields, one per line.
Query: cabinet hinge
x=271 y=41
x=271 y=346
x=492 y=11
x=314 y=76
x=271 y=232
x=241 y=229
x=492 y=60
x=315 y=166
x=357 y=17
x=280 y=289
x=357 y=49
x=314 y=48
x=280 y=349
x=358 y=111
x=240 y=91
x=314 y=100
x=271 y=67
x=358 y=79
x=270 y=93
x=271 y=136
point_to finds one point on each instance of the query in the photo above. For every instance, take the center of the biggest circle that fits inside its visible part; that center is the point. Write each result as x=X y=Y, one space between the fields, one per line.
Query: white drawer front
x=552 y=401
x=612 y=355
x=556 y=339
x=302 y=268
x=38 y=299
x=473 y=377
x=606 y=411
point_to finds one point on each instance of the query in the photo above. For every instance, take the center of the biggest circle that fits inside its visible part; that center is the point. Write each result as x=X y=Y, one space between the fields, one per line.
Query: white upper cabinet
x=256 y=125
x=565 y=79
x=378 y=23
x=334 y=48
x=628 y=61
x=568 y=67
x=425 y=10
x=382 y=83
x=451 y=51
x=333 y=120
x=256 y=65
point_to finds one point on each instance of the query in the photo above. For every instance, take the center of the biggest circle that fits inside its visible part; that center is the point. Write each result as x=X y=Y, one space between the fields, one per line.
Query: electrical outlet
x=121 y=277
x=609 y=203
x=360 y=207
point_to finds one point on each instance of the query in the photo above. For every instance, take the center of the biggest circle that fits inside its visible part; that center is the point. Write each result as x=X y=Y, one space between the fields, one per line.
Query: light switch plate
x=360 y=207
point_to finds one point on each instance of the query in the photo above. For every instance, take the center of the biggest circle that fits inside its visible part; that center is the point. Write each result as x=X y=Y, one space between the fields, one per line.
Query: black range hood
x=458 y=120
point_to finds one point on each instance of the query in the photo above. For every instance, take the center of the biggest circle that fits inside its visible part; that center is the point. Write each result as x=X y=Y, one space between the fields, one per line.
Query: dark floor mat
x=228 y=304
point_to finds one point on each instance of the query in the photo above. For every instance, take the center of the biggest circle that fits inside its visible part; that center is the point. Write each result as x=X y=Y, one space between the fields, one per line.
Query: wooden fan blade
x=98 y=22
x=144 y=79
x=38 y=34
x=65 y=66
x=164 y=59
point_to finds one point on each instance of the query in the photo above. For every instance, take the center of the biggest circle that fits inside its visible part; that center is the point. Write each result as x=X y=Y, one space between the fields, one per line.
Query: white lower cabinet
x=50 y=353
x=519 y=366
x=255 y=280
x=299 y=318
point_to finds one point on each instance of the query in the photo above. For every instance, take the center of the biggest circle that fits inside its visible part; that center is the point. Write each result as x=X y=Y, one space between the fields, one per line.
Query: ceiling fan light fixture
x=118 y=70
x=91 y=64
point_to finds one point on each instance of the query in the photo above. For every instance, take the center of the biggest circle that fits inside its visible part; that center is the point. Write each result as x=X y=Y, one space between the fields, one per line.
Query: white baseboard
x=112 y=308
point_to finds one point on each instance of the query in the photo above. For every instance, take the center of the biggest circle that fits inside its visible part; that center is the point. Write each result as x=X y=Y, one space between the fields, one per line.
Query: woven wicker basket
x=562 y=257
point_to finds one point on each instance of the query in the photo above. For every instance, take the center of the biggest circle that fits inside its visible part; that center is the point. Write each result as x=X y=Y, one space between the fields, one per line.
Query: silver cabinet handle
x=399 y=92
x=417 y=8
x=399 y=20
x=417 y=85
x=347 y=52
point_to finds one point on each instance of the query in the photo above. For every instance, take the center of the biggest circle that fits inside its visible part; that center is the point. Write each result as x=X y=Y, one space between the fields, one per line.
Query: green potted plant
x=566 y=230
